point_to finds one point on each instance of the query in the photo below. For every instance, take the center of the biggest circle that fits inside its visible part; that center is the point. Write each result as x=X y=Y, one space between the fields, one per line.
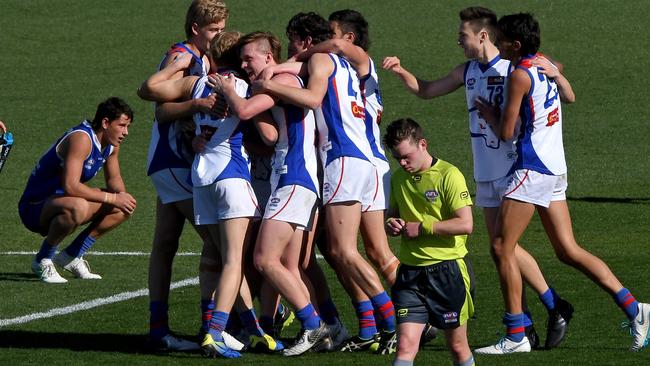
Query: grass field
x=61 y=58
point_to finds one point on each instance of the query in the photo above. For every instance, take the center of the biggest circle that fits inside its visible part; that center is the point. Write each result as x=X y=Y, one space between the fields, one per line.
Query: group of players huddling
x=267 y=158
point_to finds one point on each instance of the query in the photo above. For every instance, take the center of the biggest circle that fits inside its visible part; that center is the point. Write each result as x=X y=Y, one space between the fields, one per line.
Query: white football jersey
x=493 y=157
x=341 y=118
x=294 y=160
x=224 y=155
x=373 y=110
x=539 y=144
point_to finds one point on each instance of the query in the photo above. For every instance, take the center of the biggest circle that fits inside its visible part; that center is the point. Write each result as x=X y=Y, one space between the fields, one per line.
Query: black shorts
x=438 y=294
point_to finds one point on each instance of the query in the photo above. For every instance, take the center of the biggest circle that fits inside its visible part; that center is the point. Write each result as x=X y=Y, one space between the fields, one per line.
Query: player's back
x=224 y=155
x=45 y=179
x=294 y=160
x=539 y=145
x=492 y=157
x=374 y=108
x=340 y=120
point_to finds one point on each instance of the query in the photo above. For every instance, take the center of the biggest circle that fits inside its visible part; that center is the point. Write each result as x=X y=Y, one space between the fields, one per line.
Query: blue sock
x=207 y=305
x=250 y=323
x=80 y=244
x=266 y=322
x=548 y=299
x=47 y=251
x=384 y=305
x=528 y=319
x=217 y=325
x=308 y=317
x=158 y=321
x=627 y=303
x=328 y=312
x=367 y=325
x=514 y=326
x=467 y=362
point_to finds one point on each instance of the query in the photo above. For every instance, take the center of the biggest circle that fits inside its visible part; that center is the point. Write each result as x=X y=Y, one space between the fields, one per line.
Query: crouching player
x=57 y=201
x=430 y=207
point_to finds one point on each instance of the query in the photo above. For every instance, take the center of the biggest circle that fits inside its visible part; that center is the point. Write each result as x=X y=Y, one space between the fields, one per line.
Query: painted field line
x=126 y=254
x=92 y=304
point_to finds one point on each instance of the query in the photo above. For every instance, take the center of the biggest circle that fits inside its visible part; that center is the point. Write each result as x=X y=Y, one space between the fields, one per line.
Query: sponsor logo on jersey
x=417 y=178
x=431 y=195
x=402 y=312
x=464 y=195
x=496 y=80
x=450 y=317
x=357 y=110
x=89 y=164
x=553 y=117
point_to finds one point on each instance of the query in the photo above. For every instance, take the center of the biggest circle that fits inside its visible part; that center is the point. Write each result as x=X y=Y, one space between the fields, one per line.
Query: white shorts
x=350 y=179
x=383 y=187
x=536 y=188
x=294 y=204
x=490 y=194
x=224 y=199
x=172 y=184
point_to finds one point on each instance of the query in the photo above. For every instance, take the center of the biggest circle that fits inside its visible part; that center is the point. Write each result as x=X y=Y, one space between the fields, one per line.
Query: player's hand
x=544 y=66
x=392 y=63
x=220 y=109
x=205 y=105
x=219 y=83
x=267 y=73
x=125 y=202
x=394 y=226
x=260 y=86
x=182 y=61
x=488 y=112
x=198 y=143
x=2 y=127
x=187 y=126
x=412 y=230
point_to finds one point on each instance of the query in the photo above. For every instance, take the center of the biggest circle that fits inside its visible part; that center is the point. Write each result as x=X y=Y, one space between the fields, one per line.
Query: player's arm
x=115 y=184
x=161 y=87
x=266 y=127
x=320 y=67
x=518 y=86
x=2 y=127
x=547 y=67
x=243 y=108
x=173 y=111
x=296 y=68
x=353 y=53
x=426 y=89
x=393 y=224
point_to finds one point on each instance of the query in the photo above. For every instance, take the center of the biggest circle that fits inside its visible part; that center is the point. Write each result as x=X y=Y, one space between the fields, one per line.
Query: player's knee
x=263 y=264
x=458 y=349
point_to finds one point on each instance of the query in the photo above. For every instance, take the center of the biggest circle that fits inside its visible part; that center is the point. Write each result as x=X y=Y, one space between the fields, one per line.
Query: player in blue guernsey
x=538 y=181
x=224 y=201
x=485 y=76
x=56 y=200
x=169 y=162
x=350 y=39
x=350 y=176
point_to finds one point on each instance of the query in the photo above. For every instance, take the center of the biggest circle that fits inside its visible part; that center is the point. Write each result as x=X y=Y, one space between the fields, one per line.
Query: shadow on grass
x=630 y=200
x=102 y=342
x=17 y=277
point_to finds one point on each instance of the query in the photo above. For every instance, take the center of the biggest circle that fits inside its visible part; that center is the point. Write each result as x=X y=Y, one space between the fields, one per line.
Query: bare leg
x=376 y=245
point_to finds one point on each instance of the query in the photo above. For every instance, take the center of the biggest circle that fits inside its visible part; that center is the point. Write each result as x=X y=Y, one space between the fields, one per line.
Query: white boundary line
x=126 y=254
x=92 y=304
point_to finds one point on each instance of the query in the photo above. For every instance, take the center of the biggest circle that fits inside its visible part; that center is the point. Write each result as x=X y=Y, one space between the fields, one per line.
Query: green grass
x=61 y=58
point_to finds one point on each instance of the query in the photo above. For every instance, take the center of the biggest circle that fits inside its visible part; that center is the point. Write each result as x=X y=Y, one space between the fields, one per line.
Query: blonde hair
x=203 y=12
x=266 y=42
x=224 y=49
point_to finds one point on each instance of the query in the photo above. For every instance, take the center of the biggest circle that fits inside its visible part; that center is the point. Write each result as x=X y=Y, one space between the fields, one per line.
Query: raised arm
x=161 y=87
x=426 y=89
x=547 y=67
x=353 y=53
x=243 y=108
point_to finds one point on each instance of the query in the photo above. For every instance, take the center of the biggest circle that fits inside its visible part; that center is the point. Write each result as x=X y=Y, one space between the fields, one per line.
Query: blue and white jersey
x=539 y=145
x=341 y=118
x=45 y=180
x=294 y=160
x=493 y=157
x=373 y=110
x=167 y=149
x=224 y=155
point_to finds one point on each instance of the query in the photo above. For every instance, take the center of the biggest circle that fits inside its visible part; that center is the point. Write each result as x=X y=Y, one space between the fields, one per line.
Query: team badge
x=89 y=164
x=450 y=317
x=471 y=82
x=464 y=195
x=431 y=195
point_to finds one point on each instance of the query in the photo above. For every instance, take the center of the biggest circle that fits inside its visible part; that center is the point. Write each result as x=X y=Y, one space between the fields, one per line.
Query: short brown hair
x=402 y=129
x=224 y=49
x=266 y=40
x=203 y=12
x=479 y=18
